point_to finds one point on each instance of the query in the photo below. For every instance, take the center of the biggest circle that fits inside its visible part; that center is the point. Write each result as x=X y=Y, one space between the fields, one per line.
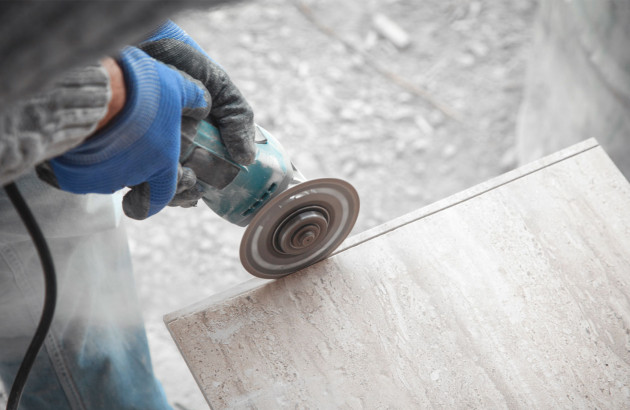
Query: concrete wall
x=514 y=293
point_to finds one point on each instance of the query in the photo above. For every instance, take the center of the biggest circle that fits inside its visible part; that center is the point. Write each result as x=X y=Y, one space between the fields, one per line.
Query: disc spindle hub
x=299 y=227
x=301 y=230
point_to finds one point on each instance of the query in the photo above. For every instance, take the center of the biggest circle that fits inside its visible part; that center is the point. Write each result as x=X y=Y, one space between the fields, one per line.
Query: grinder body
x=291 y=222
x=241 y=190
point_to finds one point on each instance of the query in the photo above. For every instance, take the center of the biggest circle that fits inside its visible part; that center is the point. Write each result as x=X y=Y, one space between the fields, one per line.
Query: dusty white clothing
x=96 y=354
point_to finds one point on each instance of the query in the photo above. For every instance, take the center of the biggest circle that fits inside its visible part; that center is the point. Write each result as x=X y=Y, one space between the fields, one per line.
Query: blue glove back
x=141 y=146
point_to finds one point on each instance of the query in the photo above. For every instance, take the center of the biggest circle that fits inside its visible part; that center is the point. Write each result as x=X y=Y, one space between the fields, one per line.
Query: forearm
x=47 y=125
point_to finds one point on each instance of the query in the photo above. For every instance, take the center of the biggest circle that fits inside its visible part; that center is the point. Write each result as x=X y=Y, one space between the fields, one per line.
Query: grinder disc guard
x=299 y=227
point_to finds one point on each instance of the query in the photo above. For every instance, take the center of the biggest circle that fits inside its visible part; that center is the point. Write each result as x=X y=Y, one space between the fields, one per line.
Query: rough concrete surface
x=338 y=116
x=515 y=294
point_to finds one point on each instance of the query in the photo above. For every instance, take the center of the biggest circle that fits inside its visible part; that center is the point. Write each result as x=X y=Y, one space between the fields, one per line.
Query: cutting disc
x=299 y=227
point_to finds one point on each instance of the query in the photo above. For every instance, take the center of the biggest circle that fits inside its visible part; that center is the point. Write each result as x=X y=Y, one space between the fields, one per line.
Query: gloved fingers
x=137 y=202
x=188 y=192
x=148 y=198
x=170 y=30
x=188 y=198
x=188 y=132
x=238 y=133
x=186 y=179
x=196 y=99
x=230 y=112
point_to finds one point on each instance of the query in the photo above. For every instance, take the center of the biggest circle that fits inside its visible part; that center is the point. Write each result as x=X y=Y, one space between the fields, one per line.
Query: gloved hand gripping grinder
x=291 y=222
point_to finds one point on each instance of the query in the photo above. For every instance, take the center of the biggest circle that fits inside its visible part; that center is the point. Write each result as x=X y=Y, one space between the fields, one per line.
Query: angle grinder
x=291 y=222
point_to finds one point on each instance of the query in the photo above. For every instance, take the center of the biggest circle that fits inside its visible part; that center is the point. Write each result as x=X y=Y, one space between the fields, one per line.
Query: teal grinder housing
x=291 y=222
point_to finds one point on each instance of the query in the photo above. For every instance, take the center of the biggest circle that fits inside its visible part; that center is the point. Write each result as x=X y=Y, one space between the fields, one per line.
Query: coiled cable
x=50 y=294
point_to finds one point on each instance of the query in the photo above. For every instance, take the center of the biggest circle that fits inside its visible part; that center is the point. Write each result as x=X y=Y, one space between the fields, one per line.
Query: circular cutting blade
x=299 y=227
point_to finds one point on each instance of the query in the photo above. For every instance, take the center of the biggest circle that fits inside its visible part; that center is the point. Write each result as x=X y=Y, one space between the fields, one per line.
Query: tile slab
x=512 y=294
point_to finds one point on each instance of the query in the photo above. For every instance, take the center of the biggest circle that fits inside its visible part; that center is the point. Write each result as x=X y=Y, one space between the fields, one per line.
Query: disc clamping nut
x=302 y=229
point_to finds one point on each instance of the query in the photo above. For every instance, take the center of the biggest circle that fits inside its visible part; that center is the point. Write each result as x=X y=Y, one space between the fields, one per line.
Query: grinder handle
x=209 y=138
x=234 y=191
x=209 y=158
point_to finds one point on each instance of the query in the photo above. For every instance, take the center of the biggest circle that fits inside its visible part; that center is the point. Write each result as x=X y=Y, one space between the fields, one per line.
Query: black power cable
x=50 y=292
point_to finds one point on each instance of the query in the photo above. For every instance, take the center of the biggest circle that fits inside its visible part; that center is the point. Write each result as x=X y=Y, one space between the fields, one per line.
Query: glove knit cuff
x=142 y=83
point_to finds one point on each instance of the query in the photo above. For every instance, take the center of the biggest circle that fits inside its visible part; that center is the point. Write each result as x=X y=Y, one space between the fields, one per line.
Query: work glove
x=140 y=147
x=230 y=112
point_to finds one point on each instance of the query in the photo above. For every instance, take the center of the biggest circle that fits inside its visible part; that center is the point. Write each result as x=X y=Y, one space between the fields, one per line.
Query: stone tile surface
x=513 y=294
